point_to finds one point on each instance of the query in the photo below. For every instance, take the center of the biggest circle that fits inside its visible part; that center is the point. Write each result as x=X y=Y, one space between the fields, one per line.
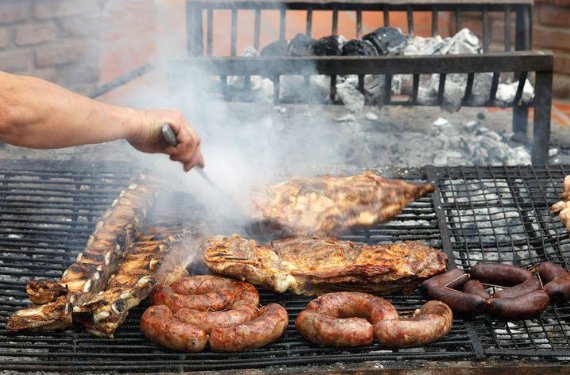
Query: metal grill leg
x=541 y=128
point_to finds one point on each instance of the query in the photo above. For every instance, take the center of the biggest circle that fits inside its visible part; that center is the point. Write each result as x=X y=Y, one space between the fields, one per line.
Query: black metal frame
x=48 y=211
x=202 y=46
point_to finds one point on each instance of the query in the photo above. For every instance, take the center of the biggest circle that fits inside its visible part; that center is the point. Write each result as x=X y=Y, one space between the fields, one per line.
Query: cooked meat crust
x=314 y=265
x=329 y=206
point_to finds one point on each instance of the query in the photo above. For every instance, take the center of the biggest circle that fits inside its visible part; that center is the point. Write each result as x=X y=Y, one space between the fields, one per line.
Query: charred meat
x=90 y=273
x=330 y=206
x=314 y=265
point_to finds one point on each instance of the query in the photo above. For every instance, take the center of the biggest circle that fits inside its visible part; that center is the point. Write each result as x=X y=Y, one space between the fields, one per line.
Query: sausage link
x=245 y=293
x=500 y=274
x=557 y=282
x=526 y=287
x=430 y=323
x=354 y=305
x=338 y=332
x=159 y=326
x=475 y=287
x=164 y=295
x=519 y=308
x=210 y=320
x=459 y=302
x=265 y=329
x=453 y=279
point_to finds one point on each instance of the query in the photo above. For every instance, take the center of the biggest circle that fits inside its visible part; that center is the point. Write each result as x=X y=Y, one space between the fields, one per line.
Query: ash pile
x=385 y=41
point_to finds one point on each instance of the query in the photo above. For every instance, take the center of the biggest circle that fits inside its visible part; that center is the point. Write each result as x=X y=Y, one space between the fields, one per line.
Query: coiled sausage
x=430 y=323
x=519 y=308
x=500 y=274
x=212 y=319
x=164 y=295
x=528 y=286
x=556 y=281
x=475 y=287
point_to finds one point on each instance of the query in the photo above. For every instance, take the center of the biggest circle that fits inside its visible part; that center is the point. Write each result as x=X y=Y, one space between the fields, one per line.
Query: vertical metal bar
x=522 y=80
x=415 y=88
x=507 y=28
x=276 y=89
x=333 y=88
x=458 y=20
x=194 y=37
x=386 y=17
x=388 y=89
x=494 y=86
x=434 y=22
x=335 y=21
x=541 y=128
x=210 y=32
x=225 y=92
x=520 y=119
x=522 y=42
x=529 y=26
x=359 y=23
x=410 y=21
x=309 y=22
x=233 y=42
x=485 y=30
x=469 y=88
x=441 y=89
x=257 y=29
x=361 y=83
x=282 y=24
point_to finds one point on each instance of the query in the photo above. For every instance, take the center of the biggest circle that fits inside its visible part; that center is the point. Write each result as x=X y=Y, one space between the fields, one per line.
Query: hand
x=147 y=137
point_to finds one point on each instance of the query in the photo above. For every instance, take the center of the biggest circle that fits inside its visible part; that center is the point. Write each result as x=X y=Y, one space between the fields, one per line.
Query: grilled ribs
x=329 y=206
x=306 y=265
x=89 y=275
x=134 y=280
x=562 y=208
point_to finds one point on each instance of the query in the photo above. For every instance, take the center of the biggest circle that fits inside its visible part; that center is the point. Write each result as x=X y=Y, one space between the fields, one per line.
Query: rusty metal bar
x=282 y=24
x=332 y=88
x=415 y=88
x=388 y=89
x=458 y=20
x=494 y=86
x=542 y=108
x=233 y=42
x=485 y=21
x=434 y=22
x=410 y=21
x=210 y=32
x=441 y=89
x=335 y=21
x=469 y=87
x=359 y=23
x=520 y=110
x=507 y=28
x=361 y=83
x=522 y=40
x=386 y=17
x=257 y=29
x=309 y=22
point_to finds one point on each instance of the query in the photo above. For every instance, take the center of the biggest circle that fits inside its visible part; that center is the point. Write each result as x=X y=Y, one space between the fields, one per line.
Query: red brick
x=35 y=34
x=65 y=53
x=4 y=37
x=561 y=86
x=555 y=2
x=15 y=61
x=80 y=73
x=14 y=11
x=550 y=37
x=82 y=25
x=553 y=15
x=49 y=74
x=562 y=63
x=498 y=33
x=44 y=9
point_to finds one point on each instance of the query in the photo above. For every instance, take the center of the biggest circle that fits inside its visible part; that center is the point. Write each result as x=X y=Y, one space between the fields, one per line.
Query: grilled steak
x=132 y=283
x=329 y=206
x=90 y=273
x=313 y=265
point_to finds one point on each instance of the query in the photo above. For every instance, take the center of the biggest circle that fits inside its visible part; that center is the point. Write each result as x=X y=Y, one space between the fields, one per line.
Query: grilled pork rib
x=89 y=274
x=132 y=283
x=313 y=265
x=329 y=206
x=562 y=208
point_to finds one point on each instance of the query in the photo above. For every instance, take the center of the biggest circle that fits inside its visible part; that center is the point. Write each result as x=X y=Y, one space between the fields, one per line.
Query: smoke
x=245 y=146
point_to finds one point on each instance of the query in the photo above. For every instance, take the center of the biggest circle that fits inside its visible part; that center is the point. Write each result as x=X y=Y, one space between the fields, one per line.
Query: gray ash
x=301 y=45
x=278 y=48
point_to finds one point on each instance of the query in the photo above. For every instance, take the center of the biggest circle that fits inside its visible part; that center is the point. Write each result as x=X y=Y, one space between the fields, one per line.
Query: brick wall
x=52 y=39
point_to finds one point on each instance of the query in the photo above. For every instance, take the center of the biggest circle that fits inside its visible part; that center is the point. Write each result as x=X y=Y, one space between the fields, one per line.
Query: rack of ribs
x=304 y=265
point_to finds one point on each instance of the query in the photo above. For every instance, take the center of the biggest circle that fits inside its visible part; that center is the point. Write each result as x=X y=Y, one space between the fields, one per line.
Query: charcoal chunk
x=328 y=46
x=387 y=40
x=301 y=45
x=357 y=47
x=278 y=48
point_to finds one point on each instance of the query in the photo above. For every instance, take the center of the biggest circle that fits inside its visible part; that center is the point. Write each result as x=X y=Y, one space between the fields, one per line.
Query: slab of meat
x=90 y=273
x=330 y=206
x=305 y=265
x=562 y=208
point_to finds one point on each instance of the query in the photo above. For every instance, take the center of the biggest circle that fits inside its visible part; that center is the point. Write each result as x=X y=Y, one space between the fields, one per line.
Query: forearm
x=37 y=114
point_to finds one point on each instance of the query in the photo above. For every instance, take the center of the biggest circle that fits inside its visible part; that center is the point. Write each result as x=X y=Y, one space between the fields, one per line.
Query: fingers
x=188 y=149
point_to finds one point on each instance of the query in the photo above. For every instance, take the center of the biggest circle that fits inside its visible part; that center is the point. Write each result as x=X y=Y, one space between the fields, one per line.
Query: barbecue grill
x=477 y=213
x=520 y=64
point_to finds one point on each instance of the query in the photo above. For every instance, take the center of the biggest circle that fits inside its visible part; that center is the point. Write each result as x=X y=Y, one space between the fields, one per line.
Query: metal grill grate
x=48 y=214
x=501 y=214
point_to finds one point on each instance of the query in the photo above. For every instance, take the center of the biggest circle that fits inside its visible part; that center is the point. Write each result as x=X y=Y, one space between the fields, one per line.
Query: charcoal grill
x=477 y=213
x=200 y=50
